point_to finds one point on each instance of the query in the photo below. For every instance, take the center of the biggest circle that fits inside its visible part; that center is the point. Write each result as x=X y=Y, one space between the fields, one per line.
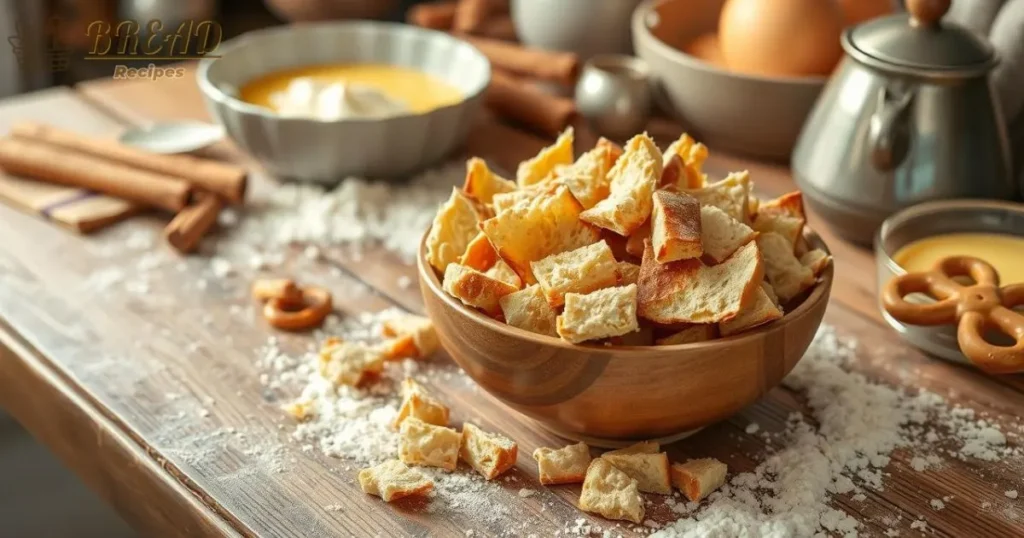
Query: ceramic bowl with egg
x=916 y=237
x=754 y=114
x=320 y=102
x=609 y=396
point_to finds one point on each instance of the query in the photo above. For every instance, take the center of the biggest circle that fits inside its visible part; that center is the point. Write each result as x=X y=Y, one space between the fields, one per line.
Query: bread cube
x=783 y=215
x=688 y=291
x=410 y=337
x=503 y=272
x=761 y=311
x=629 y=273
x=598 y=314
x=542 y=166
x=418 y=403
x=538 y=228
x=475 y=289
x=491 y=454
x=566 y=465
x=687 y=156
x=635 y=241
x=454 y=227
x=721 y=235
x=698 y=478
x=349 y=363
x=392 y=480
x=730 y=195
x=611 y=493
x=582 y=271
x=786 y=274
x=632 y=182
x=675 y=227
x=482 y=184
x=587 y=178
x=651 y=471
x=529 y=309
x=479 y=254
x=421 y=443
x=817 y=260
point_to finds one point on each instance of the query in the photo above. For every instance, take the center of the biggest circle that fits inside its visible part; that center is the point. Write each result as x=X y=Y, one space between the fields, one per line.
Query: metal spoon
x=173 y=136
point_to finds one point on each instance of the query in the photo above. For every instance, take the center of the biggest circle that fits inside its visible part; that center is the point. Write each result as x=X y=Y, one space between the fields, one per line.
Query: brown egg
x=706 y=48
x=858 y=11
x=781 y=37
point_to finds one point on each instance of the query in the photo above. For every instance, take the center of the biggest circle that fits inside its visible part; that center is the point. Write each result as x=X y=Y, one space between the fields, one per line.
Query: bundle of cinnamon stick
x=486 y=24
x=195 y=189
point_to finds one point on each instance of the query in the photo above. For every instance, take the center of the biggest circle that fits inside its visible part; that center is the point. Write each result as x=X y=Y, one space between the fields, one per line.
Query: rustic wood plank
x=884 y=358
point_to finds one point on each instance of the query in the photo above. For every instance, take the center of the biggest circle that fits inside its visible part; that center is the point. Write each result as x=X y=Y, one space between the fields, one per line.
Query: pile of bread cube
x=622 y=246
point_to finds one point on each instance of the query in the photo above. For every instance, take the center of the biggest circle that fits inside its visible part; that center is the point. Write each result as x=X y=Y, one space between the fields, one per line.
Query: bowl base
x=599 y=442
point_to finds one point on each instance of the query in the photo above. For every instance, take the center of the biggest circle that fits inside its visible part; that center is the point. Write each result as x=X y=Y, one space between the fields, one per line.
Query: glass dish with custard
x=917 y=238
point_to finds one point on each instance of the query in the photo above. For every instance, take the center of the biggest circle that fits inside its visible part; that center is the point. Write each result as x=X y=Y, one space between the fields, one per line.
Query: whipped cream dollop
x=307 y=97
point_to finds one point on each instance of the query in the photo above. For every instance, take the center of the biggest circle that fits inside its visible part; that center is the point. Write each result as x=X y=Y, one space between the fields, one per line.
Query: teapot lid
x=919 y=43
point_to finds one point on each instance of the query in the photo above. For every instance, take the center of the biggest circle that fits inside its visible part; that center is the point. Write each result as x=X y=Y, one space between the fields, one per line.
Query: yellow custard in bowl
x=414 y=90
x=1002 y=251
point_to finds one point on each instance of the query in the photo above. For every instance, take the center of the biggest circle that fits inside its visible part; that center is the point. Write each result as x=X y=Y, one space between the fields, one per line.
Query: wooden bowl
x=609 y=396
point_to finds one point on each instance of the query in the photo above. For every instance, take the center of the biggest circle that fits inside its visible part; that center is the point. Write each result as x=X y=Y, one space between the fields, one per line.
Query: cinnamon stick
x=433 y=15
x=471 y=14
x=53 y=164
x=498 y=27
x=519 y=100
x=561 y=67
x=189 y=226
x=226 y=180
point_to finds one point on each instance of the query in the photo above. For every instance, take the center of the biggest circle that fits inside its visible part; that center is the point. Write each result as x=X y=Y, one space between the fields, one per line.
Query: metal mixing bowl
x=327 y=151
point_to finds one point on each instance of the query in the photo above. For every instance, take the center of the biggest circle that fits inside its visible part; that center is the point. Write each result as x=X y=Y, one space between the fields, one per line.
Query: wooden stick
x=561 y=67
x=226 y=180
x=189 y=226
x=519 y=100
x=433 y=15
x=44 y=162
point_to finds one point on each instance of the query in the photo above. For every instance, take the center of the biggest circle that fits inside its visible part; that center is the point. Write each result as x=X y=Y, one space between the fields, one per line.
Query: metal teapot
x=908 y=116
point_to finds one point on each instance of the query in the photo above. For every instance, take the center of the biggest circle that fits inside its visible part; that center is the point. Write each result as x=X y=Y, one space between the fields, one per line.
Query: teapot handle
x=888 y=133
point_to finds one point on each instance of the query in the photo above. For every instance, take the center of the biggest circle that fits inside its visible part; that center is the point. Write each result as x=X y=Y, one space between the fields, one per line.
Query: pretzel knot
x=976 y=309
x=290 y=308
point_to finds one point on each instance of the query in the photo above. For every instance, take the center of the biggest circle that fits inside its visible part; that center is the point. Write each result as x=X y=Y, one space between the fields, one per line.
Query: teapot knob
x=927 y=12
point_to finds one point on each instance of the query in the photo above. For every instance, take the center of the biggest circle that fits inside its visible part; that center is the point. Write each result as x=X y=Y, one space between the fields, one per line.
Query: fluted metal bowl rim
x=241 y=107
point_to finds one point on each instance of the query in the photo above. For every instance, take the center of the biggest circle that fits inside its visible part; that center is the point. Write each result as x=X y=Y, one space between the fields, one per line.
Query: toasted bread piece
x=783 y=215
x=760 y=311
x=688 y=291
x=633 y=180
x=349 y=363
x=611 y=493
x=730 y=195
x=598 y=314
x=301 y=410
x=770 y=292
x=643 y=447
x=635 y=242
x=816 y=259
x=587 y=178
x=580 y=271
x=505 y=200
x=528 y=309
x=479 y=254
x=614 y=150
x=675 y=227
x=698 y=478
x=455 y=225
x=475 y=289
x=651 y=471
x=672 y=171
x=392 y=480
x=482 y=184
x=420 y=443
x=786 y=274
x=503 y=272
x=689 y=335
x=629 y=273
x=690 y=156
x=418 y=403
x=721 y=235
x=538 y=228
x=491 y=454
x=542 y=166
x=409 y=337
x=566 y=465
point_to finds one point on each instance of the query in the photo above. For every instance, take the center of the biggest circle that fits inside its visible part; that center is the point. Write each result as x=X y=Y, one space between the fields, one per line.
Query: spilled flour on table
x=842 y=448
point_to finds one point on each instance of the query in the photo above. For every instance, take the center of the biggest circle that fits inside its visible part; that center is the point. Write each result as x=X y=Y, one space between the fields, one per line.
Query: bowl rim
x=238 y=105
x=820 y=293
x=642 y=32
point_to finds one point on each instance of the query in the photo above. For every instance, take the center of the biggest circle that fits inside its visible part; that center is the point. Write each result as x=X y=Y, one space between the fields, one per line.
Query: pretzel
x=974 y=308
x=290 y=315
x=266 y=289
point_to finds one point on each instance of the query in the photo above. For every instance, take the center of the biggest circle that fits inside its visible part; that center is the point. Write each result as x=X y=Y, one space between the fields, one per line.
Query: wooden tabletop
x=153 y=395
